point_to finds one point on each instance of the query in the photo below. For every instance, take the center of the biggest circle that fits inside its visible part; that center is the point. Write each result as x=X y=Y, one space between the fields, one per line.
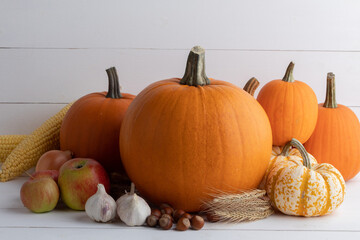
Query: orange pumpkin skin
x=336 y=140
x=91 y=128
x=179 y=142
x=291 y=108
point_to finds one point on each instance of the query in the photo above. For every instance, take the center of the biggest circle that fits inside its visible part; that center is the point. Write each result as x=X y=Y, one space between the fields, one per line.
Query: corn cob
x=29 y=150
x=8 y=143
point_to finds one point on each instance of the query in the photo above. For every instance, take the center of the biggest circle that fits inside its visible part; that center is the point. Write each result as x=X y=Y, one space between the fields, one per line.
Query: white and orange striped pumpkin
x=304 y=189
x=277 y=155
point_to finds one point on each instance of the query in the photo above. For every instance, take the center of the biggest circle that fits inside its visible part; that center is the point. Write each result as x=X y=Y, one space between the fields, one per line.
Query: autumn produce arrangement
x=189 y=150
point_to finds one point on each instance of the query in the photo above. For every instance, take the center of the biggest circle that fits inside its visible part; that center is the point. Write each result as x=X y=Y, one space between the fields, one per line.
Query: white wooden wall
x=52 y=52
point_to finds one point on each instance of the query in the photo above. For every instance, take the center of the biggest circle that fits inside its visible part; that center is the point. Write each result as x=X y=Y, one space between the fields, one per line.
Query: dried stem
x=330 y=100
x=296 y=144
x=114 y=89
x=251 y=86
x=132 y=189
x=195 y=68
x=288 y=77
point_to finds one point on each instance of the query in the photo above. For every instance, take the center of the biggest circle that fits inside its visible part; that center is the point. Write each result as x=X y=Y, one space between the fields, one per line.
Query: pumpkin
x=90 y=128
x=291 y=107
x=278 y=155
x=336 y=138
x=304 y=189
x=181 y=138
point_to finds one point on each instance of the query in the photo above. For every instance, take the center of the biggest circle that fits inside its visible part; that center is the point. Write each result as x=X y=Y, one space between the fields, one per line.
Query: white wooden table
x=17 y=222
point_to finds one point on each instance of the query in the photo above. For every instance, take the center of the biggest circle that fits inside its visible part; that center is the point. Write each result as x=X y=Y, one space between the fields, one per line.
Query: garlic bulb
x=101 y=207
x=132 y=209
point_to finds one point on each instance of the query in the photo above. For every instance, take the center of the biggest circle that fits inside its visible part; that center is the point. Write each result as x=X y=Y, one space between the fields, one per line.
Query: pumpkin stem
x=132 y=188
x=330 y=100
x=251 y=86
x=114 y=89
x=195 y=68
x=288 y=77
x=295 y=143
x=286 y=149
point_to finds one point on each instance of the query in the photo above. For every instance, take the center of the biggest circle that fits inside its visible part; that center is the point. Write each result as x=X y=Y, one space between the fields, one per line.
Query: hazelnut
x=167 y=216
x=187 y=215
x=164 y=205
x=178 y=214
x=212 y=218
x=197 y=222
x=183 y=224
x=152 y=220
x=165 y=223
x=167 y=210
x=156 y=212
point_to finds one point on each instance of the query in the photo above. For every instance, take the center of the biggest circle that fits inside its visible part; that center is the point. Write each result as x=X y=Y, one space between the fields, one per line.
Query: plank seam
x=183 y=49
x=218 y=229
x=69 y=102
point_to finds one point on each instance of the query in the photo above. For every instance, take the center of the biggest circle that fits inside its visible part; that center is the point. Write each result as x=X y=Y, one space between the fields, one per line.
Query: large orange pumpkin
x=91 y=127
x=336 y=138
x=182 y=138
x=291 y=107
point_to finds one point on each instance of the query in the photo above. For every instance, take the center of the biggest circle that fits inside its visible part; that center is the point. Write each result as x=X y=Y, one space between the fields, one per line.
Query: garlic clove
x=101 y=207
x=132 y=209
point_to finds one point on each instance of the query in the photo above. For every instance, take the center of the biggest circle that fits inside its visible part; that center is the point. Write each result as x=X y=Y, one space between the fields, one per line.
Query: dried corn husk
x=248 y=205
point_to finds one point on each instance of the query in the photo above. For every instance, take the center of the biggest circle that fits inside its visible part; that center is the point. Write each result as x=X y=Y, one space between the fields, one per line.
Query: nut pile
x=166 y=216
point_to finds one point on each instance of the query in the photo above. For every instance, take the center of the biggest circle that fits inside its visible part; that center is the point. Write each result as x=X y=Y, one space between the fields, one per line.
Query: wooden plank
x=146 y=233
x=215 y=24
x=355 y=179
x=58 y=76
x=10 y=194
x=25 y=118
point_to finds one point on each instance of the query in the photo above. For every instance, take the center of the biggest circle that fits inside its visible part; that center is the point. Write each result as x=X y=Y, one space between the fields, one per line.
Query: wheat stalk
x=248 y=205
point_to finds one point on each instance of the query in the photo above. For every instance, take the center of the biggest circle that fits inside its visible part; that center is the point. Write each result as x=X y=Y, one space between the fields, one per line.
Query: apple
x=54 y=174
x=78 y=180
x=40 y=194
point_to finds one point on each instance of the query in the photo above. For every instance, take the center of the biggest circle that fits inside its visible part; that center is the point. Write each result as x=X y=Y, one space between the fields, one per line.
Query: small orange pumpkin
x=90 y=128
x=336 y=138
x=181 y=138
x=291 y=107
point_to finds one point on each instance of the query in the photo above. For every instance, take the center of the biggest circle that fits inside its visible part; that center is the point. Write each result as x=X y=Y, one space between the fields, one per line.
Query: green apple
x=40 y=194
x=78 y=180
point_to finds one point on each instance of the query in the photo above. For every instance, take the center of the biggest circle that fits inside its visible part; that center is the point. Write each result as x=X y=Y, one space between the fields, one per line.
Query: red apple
x=54 y=174
x=78 y=180
x=40 y=194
